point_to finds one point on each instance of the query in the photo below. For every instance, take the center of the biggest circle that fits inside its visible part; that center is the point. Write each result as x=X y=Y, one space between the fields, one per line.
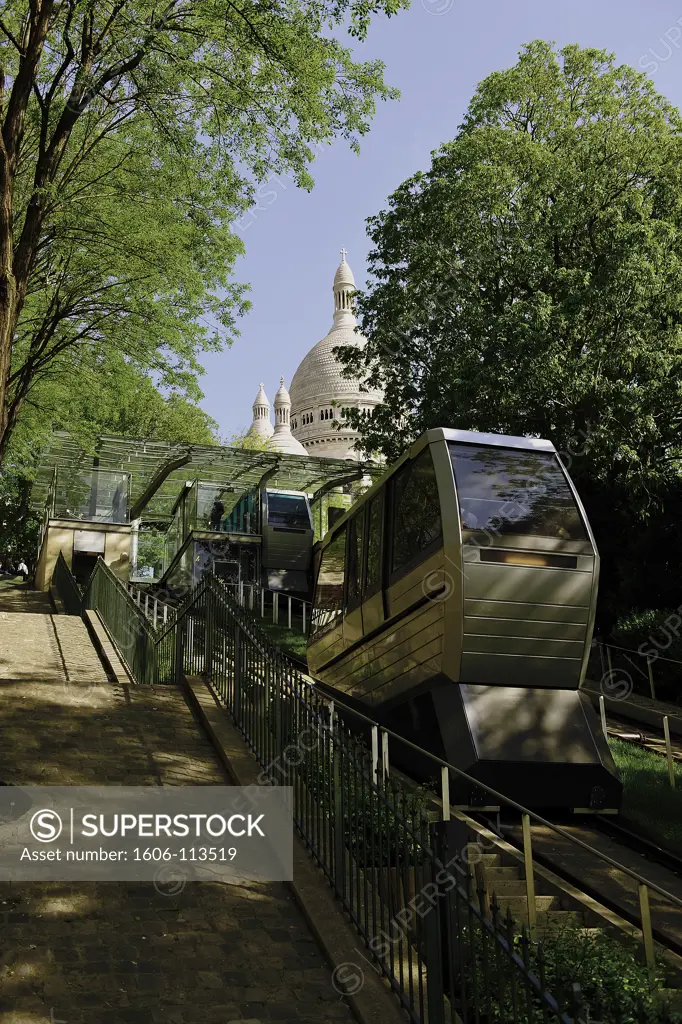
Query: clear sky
x=435 y=54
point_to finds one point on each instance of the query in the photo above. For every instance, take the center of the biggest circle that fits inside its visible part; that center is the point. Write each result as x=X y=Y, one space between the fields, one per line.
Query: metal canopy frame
x=159 y=469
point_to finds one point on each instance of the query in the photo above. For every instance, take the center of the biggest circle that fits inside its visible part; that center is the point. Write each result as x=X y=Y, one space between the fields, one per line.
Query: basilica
x=311 y=419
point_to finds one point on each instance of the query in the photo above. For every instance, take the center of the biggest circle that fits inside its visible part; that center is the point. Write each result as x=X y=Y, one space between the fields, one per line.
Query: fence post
x=289 y=612
x=304 y=607
x=275 y=607
x=445 y=791
x=237 y=673
x=647 y=934
x=669 y=751
x=384 y=755
x=338 y=879
x=602 y=713
x=649 y=663
x=179 y=652
x=156 y=611
x=530 y=880
x=432 y=925
x=375 y=754
x=262 y=603
x=208 y=636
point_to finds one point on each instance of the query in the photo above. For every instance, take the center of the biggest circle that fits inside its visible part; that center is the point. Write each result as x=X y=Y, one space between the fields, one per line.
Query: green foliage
x=133 y=137
x=614 y=982
x=648 y=798
x=244 y=440
x=530 y=282
x=658 y=629
x=19 y=525
x=289 y=641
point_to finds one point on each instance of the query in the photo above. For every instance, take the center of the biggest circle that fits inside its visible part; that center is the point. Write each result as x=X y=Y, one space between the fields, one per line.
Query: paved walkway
x=113 y=953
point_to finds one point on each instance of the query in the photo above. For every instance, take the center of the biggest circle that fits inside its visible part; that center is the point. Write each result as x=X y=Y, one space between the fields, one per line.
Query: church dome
x=320 y=393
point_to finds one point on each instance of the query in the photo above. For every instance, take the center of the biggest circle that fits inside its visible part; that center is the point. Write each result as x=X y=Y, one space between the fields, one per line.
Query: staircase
x=503 y=885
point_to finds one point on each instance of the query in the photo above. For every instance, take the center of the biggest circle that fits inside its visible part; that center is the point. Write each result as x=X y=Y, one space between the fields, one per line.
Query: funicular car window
x=328 y=605
x=288 y=510
x=375 y=521
x=416 y=512
x=355 y=540
x=509 y=491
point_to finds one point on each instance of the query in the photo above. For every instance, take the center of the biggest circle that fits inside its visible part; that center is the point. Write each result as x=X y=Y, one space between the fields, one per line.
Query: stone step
x=475 y=856
x=509 y=887
x=517 y=904
x=550 y=920
x=492 y=874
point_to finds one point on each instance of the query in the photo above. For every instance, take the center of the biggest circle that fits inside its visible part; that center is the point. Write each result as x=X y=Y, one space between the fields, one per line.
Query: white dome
x=286 y=443
x=319 y=390
x=319 y=378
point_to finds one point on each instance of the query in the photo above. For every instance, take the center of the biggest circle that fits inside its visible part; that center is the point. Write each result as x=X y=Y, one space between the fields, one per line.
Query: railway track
x=608 y=887
x=645 y=736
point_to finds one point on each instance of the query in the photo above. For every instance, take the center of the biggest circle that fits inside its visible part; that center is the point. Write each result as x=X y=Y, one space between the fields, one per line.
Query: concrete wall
x=117 y=553
x=59 y=537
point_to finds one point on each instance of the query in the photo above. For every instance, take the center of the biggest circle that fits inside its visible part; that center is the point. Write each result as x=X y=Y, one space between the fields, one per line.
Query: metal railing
x=125 y=622
x=380 y=845
x=388 y=850
x=622 y=671
x=154 y=610
x=280 y=608
x=67 y=587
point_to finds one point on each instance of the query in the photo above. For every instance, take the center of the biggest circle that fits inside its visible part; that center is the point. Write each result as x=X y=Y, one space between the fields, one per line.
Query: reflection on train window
x=328 y=606
x=376 y=516
x=416 y=522
x=355 y=538
x=288 y=510
x=514 y=492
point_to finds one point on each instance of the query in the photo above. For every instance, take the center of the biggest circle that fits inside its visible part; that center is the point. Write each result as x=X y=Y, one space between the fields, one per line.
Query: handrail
x=202 y=604
x=150 y=613
x=134 y=639
x=628 y=650
x=365 y=834
x=539 y=819
x=67 y=587
x=500 y=796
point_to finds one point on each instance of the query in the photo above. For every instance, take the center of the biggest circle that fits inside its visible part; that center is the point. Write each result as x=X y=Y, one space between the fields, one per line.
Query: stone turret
x=282 y=440
x=261 y=426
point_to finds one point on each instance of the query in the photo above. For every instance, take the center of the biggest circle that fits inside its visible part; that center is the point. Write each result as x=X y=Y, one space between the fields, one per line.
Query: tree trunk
x=8 y=304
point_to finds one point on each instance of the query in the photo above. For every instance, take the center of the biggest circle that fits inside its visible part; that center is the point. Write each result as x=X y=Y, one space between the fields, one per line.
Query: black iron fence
x=392 y=853
x=396 y=865
x=67 y=587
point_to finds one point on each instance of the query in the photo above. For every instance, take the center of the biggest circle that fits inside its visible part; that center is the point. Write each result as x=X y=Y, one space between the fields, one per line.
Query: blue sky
x=435 y=53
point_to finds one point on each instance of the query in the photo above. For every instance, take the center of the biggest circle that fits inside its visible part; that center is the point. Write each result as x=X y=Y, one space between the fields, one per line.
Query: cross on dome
x=344 y=253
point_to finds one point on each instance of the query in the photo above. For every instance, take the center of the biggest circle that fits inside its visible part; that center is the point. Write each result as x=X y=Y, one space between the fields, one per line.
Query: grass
x=290 y=641
x=649 y=801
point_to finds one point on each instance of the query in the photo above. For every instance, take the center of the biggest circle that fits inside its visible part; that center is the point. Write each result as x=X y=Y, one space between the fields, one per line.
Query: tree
x=19 y=524
x=530 y=282
x=131 y=135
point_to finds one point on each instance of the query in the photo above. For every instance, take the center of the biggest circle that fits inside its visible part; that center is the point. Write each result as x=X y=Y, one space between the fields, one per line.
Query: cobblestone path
x=116 y=953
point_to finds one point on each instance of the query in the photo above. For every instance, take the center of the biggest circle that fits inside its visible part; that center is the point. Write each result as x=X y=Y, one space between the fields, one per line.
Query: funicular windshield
x=288 y=510
x=513 y=492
